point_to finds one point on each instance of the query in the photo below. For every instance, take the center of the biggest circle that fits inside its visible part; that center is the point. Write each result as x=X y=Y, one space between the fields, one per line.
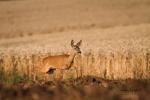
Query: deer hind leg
x=46 y=77
x=58 y=75
x=51 y=71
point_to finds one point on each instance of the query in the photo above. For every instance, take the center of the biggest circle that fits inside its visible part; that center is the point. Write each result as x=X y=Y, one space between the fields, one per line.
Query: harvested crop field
x=114 y=46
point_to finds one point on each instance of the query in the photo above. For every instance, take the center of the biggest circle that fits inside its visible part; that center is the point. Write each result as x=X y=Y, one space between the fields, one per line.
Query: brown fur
x=55 y=61
x=59 y=63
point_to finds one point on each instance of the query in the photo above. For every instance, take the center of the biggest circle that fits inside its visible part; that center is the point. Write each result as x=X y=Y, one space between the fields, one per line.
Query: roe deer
x=61 y=62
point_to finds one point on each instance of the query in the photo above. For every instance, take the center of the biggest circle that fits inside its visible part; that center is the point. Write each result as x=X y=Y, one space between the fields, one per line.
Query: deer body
x=55 y=61
x=60 y=62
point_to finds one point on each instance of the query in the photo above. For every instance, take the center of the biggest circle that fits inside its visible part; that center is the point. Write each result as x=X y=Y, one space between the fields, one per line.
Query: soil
x=85 y=88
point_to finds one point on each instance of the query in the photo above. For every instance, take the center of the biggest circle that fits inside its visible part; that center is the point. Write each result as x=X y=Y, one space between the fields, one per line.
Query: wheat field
x=112 y=48
x=114 y=53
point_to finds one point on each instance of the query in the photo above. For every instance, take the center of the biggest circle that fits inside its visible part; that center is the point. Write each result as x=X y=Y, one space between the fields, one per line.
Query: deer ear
x=79 y=43
x=72 y=43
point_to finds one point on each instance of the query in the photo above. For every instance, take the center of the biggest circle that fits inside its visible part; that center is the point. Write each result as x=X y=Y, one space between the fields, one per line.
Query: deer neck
x=70 y=60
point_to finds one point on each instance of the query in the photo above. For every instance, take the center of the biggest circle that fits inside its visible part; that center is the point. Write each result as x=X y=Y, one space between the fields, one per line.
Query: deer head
x=76 y=47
